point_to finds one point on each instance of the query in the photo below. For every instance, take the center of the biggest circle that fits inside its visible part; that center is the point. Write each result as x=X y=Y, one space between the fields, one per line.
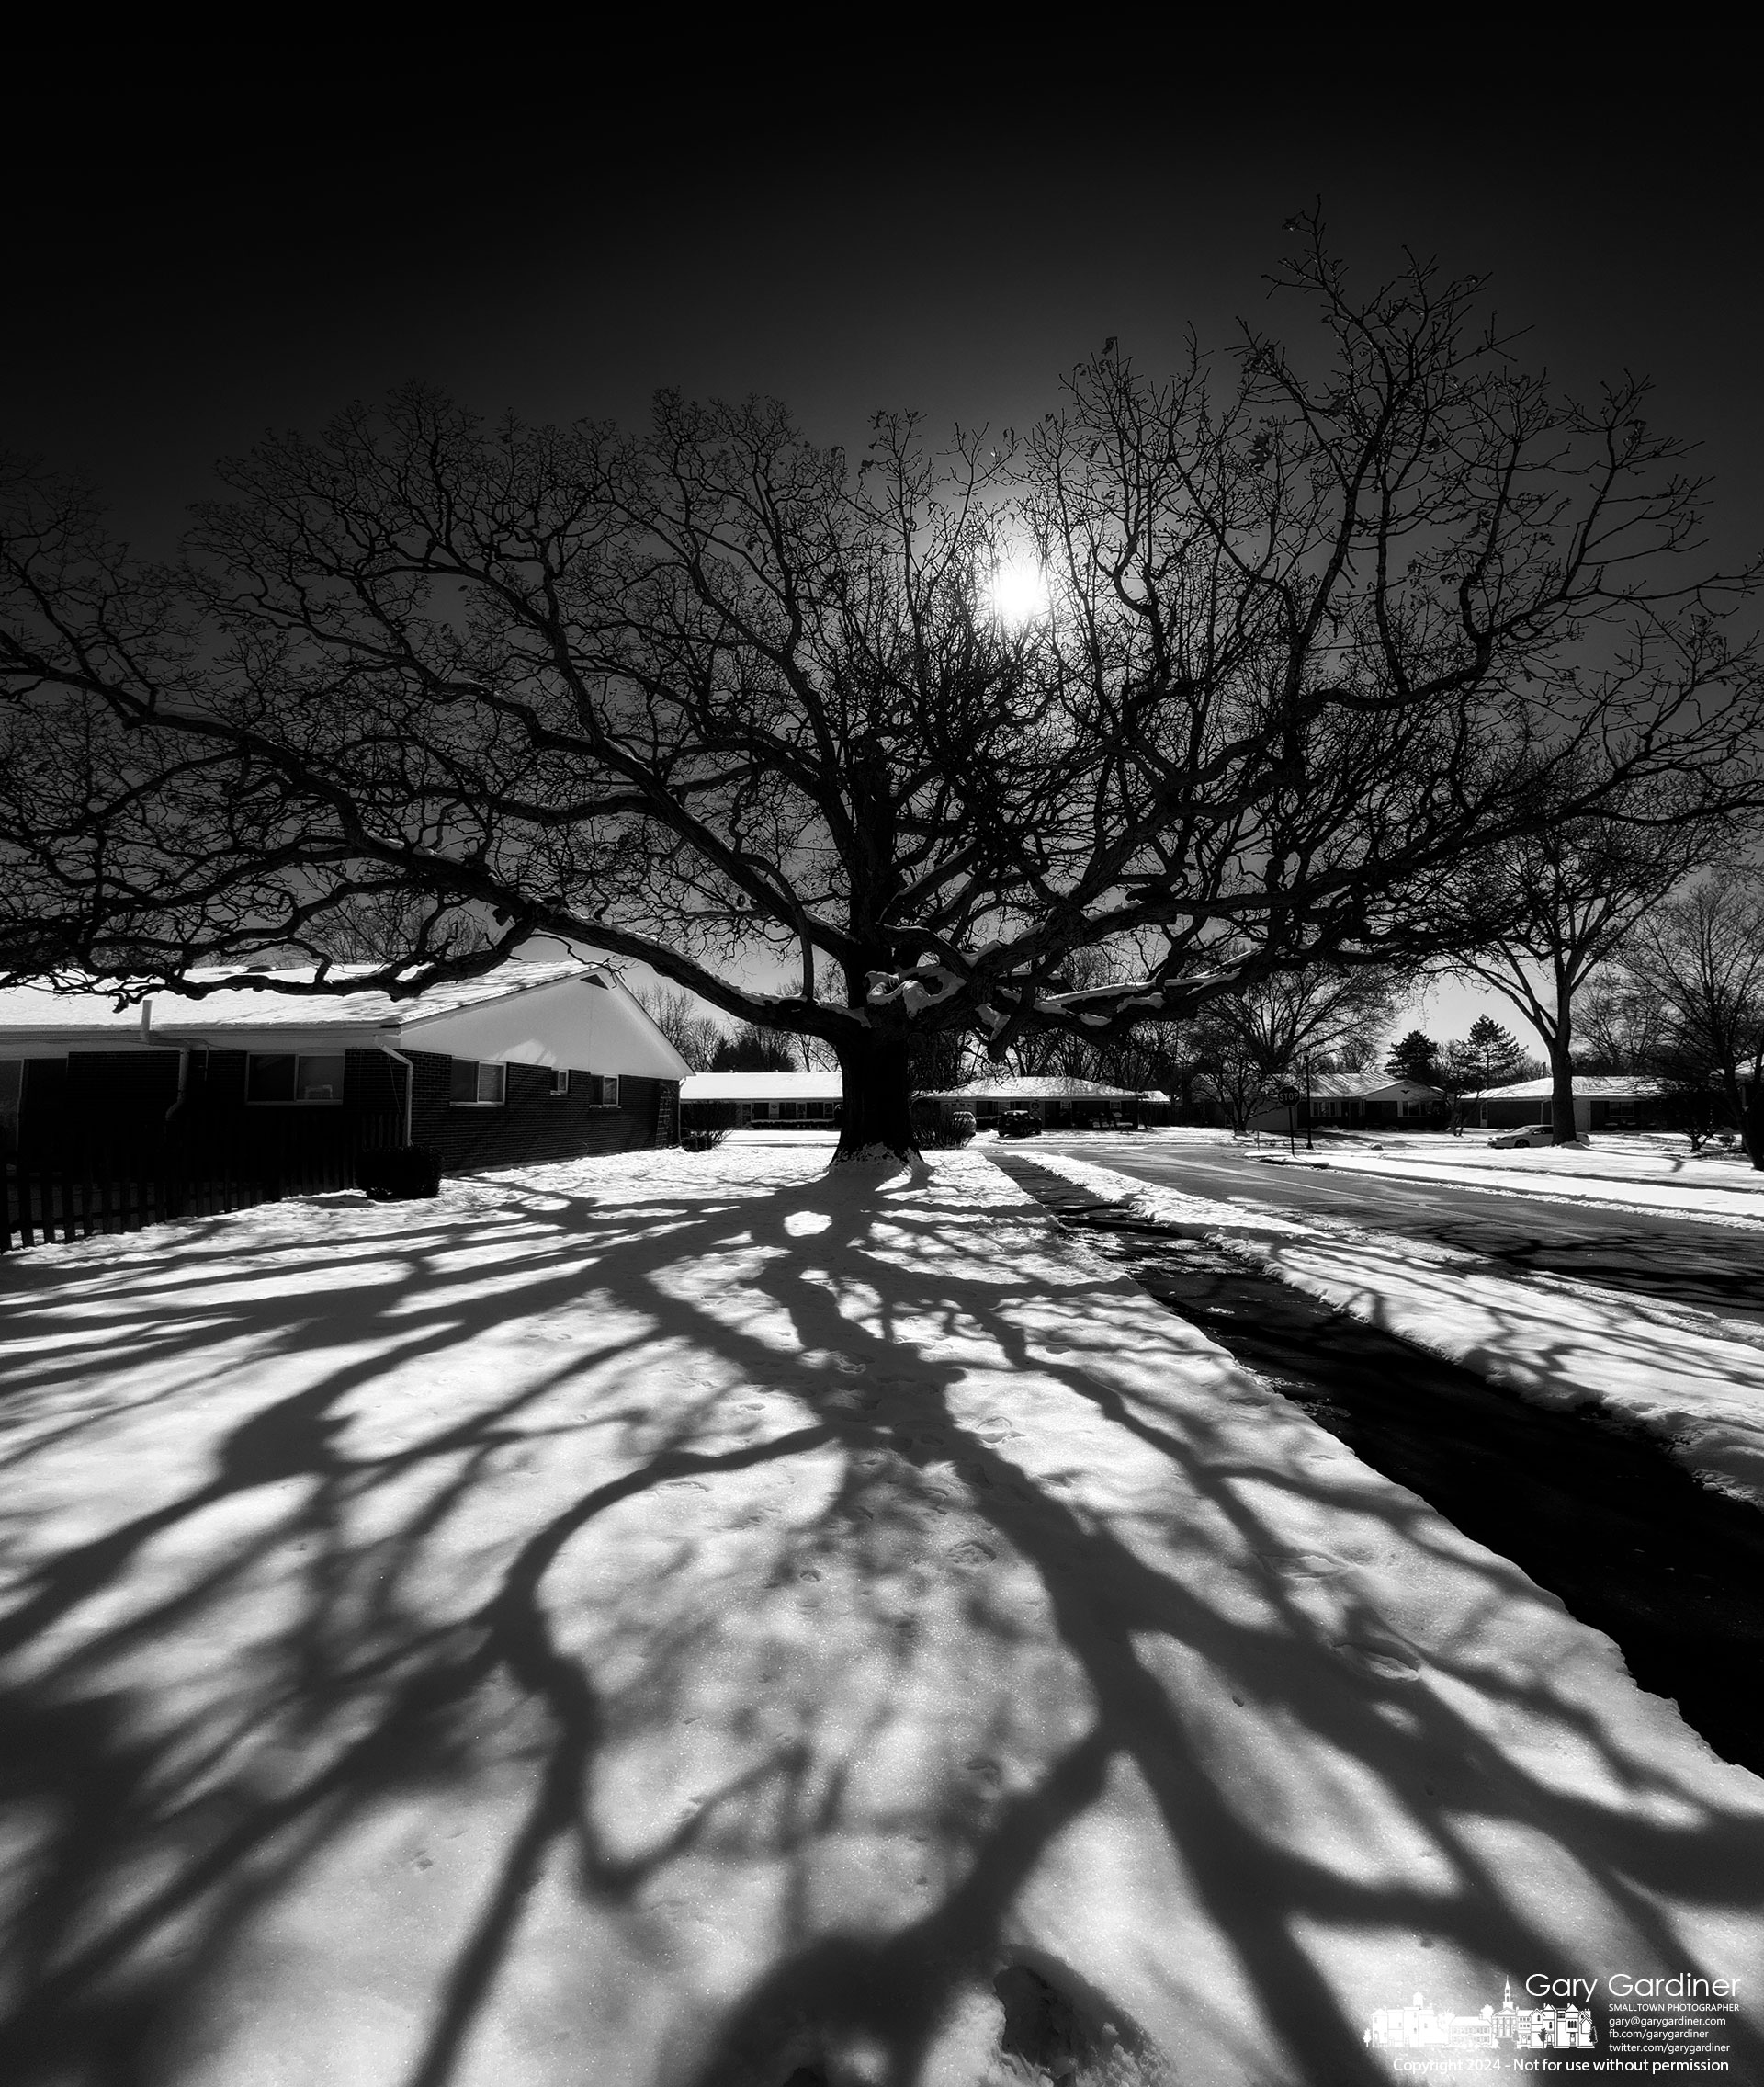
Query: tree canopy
x=1229 y=671
x=1414 y=1057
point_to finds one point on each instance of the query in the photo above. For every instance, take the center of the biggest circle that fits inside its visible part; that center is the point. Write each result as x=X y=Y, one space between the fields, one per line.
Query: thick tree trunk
x=1746 y=1101
x=1562 y=1129
x=876 y=1114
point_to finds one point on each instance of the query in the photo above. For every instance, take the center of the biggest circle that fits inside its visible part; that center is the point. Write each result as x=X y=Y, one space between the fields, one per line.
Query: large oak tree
x=1294 y=632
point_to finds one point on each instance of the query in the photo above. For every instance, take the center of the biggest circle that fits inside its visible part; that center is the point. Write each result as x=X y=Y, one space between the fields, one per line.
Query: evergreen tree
x=1496 y=1052
x=1417 y=1057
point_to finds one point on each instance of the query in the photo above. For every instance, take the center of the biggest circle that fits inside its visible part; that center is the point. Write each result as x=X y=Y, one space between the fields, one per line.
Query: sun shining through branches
x=1017 y=593
x=1187 y=663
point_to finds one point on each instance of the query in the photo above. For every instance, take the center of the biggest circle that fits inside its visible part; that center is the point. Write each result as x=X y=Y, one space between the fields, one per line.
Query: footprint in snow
x=684 y=1485
x=1309 y=1565
x=1050 y=2032
x=972 y=1553
x=1386 y=1661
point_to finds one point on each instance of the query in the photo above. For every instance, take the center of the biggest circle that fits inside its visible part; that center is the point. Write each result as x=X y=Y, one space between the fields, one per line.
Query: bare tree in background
x=1250 y=1043
x=1318 y=622
x=1620 y=1024
x=379 y=927
x=1575 y=894
x=693 y=1035
x=1700 y=961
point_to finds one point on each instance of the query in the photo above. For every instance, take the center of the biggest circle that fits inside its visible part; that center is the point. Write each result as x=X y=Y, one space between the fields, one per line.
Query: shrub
x=399 y=1174
x=933 y=1133
x=708 y=1116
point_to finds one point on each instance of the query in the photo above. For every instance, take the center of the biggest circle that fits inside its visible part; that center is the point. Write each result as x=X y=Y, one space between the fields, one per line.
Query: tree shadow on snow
x=786 y=1711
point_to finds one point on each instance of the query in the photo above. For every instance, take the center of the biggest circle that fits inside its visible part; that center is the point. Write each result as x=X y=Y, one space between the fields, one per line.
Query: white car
x=1530 y=1134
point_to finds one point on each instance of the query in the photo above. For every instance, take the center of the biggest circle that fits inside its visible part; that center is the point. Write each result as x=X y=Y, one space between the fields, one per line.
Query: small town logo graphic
x=1419 y=2026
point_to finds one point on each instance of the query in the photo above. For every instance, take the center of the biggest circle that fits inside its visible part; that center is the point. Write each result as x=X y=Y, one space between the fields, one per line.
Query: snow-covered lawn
x=679 y=1620
x=1658 y=1175
x=1691 y=1378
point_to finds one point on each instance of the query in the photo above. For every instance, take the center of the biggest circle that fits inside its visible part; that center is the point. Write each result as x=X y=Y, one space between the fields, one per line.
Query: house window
x=290 y=1076
x=560 y=1079
x=473 y=1084
x=607 y=1091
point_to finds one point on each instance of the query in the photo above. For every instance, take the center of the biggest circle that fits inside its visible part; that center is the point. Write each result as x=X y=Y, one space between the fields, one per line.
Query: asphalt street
x=1587 y=1506
x=1713 y=1267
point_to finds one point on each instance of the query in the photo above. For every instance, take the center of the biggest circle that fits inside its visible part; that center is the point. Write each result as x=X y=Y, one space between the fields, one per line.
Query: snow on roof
x=253 y=1007
x=1612 y=1084
x=1362 y=1086
x=1049 y=1086
x=762 y=1088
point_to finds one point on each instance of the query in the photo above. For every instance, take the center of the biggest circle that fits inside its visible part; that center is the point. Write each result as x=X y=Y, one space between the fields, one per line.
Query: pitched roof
x=1041 y=1088
x=762 y=1088
x=1611 y=1084
x=39 y=1007
x=1362 y=1086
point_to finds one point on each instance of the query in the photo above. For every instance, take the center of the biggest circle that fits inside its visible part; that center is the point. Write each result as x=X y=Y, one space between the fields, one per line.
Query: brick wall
x=112 y=1093
x=533 y=1123
x=370 y=1080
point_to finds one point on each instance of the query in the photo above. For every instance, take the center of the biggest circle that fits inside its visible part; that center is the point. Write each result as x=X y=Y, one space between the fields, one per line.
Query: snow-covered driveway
x=679 y=1620
x=1693 y=1381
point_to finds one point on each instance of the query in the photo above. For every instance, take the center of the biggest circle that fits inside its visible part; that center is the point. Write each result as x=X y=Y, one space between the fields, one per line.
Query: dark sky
x=200 y=259
x=199 y=255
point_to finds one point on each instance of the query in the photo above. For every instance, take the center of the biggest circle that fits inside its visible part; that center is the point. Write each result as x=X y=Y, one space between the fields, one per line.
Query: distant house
x=530 y=1061
x=1355 y=1101
x=1601 y=1101
x=803 y=1101
x=1056 y=1101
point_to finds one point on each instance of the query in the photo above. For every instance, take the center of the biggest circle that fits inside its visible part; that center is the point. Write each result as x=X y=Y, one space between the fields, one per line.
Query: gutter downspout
x=182 y=1057
x=409 y=1082
x=183 y=1081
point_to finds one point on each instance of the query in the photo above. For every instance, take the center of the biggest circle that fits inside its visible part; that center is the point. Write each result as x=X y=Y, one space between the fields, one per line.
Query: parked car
x=1531 y=1134
x=1019 y=1123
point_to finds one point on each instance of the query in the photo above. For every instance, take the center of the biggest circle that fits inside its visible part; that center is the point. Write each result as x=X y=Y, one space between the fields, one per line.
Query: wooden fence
x=83 y=1184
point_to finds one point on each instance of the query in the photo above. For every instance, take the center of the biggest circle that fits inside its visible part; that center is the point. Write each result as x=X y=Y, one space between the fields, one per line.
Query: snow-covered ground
x=1656 y=1176
x=1691 y=1378
x=679 y=1620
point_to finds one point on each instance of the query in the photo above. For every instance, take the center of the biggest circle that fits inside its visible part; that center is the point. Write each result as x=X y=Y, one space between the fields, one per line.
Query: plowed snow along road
x=1673 y=1572
x=1716 y=1268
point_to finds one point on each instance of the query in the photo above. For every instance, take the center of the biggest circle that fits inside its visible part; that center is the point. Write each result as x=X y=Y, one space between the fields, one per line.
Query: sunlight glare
x=1018 y=593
